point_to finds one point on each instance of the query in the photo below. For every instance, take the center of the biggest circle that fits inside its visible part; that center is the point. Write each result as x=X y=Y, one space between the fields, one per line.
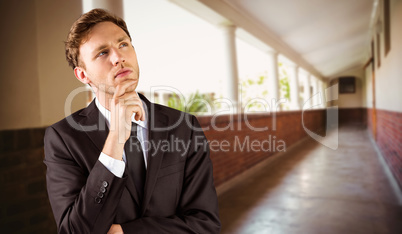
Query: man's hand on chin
x=122 y=107
x=115 y=229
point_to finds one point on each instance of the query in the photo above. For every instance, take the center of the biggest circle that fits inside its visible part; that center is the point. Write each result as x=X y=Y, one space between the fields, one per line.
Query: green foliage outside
x=253 y=89
x=197 y=103
x=284 y=86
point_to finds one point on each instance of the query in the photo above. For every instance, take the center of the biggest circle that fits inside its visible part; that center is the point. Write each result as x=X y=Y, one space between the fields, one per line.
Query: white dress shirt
x=116 y=166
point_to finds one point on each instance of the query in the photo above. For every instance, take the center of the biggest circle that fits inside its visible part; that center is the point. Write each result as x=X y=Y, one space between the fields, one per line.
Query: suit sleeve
x=78 y=195
x=197 y=211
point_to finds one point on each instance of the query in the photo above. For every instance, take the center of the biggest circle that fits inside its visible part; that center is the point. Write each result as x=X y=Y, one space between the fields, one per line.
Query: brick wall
x=227 y=156
x=352 y=116
x=389 y=139
x=24 y=203
x=370 y=120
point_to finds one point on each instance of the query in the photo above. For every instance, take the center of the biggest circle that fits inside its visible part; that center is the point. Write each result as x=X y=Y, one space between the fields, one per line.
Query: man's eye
x=102 y=53
x=123 y=44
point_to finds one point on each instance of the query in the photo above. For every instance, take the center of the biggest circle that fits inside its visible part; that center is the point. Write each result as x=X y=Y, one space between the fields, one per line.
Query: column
x=113 y=6
x=294 y=87
x=273 y=77
x=230 y=60
x=321 y=94
x=307 y=94
x=317 y=93
x=324 y=96
x=313 y=83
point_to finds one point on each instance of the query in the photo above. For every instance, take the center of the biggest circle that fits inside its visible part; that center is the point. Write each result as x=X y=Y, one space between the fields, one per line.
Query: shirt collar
x=106 y=113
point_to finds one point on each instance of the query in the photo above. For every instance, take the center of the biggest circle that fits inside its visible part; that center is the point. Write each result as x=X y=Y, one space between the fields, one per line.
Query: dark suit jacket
x=179 y=193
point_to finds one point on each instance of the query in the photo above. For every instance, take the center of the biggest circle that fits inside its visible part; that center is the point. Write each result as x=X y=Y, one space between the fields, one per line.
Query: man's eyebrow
x=123 y=38
x=102 y=47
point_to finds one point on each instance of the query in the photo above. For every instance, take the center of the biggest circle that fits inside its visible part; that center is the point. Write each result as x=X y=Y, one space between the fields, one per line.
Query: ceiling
x=331 y=35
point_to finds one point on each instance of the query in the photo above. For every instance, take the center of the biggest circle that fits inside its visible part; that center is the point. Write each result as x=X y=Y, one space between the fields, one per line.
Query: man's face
x=109 y=59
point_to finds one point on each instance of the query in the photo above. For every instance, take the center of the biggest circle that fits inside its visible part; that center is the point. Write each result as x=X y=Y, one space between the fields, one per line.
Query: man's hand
x=115 y=229
x=122 y=106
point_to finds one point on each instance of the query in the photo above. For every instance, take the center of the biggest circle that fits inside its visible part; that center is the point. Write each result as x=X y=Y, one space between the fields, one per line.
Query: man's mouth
x=122 y=73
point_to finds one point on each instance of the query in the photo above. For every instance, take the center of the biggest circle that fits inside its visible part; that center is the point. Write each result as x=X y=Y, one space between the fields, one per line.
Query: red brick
x=388 y=139
x=288 y=128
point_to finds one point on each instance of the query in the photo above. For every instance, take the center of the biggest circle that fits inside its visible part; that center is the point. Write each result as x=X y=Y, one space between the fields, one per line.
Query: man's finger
x=138 y=110
x=132 y=98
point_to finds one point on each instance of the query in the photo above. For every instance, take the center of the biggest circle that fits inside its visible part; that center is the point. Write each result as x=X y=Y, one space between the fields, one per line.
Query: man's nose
x=117 y=57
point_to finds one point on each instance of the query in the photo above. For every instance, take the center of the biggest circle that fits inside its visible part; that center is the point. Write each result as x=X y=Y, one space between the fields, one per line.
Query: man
x=96 y=182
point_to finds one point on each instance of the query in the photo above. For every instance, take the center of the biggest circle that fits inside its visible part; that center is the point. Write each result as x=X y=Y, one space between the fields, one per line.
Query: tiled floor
x=313 y=189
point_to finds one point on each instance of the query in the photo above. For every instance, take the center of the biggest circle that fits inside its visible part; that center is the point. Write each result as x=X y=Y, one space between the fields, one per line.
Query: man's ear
x=81 y=75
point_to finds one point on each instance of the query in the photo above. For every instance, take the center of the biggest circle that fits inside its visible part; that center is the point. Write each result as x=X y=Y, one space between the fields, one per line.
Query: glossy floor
x=313 y=189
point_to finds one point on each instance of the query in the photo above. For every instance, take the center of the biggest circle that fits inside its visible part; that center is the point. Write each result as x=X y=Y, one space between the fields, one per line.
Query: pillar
x=273 y=77
x=294 y=87
x=230 y=62
x=324 y=97
x=113 y=6
x=307 y=94
x=313 y=83
x=316 y=93
x=321 y=93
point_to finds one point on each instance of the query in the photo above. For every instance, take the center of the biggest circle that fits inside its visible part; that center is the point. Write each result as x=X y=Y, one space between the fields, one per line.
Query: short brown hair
x=82 y=27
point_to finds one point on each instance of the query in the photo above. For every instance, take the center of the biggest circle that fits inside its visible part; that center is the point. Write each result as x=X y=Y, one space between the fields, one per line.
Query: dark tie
x=135 y=160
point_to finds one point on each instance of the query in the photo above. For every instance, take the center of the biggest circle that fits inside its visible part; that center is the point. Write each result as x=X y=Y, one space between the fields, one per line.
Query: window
x=284 y=84
x=253 y=77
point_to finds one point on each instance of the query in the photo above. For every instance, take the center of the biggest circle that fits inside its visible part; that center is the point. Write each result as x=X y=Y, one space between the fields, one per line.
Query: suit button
x=104 y=184
x=103 y=190
x=100 y=195
x=98 y=200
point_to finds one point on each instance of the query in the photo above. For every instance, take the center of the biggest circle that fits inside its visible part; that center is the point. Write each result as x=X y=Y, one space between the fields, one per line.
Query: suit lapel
x=94 y=125
x=155 y=154
x=96 y=128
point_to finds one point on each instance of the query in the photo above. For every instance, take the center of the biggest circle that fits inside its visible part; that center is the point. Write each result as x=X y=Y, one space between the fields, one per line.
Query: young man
x=96 y=182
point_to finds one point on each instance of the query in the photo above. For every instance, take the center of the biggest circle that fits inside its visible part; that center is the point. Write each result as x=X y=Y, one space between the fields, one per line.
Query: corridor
x=256 y=75
x=313 y=189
